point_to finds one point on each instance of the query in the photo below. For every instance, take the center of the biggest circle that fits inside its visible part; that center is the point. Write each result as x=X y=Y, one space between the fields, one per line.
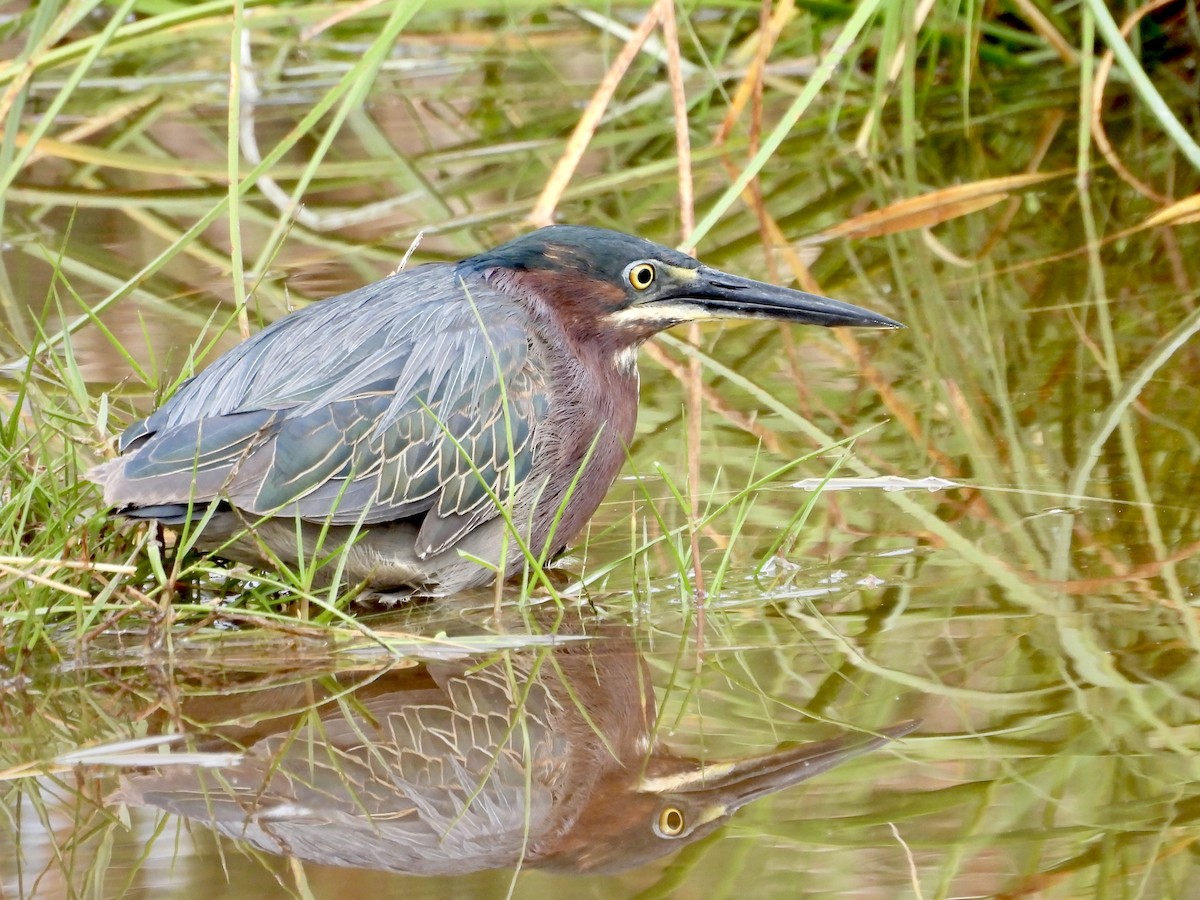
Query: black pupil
x=641 y=275
x=673 y=823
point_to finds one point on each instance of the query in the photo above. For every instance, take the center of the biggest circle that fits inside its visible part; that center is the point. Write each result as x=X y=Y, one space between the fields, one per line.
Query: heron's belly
x=381 y=557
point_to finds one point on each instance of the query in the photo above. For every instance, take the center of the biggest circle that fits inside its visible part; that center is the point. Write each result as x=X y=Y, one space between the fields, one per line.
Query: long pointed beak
x=731 y=785
x=731 y=296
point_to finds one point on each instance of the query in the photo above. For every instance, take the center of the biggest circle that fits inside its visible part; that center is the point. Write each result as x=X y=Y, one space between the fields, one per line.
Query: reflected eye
x=670 y=822
x=641 y=276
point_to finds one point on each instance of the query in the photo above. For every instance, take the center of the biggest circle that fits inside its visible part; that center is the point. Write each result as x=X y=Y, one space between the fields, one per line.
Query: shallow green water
x=1038 y=612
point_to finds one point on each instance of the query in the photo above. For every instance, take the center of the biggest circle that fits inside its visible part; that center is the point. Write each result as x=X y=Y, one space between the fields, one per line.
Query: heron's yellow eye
x=670 y=822
x=641 y=276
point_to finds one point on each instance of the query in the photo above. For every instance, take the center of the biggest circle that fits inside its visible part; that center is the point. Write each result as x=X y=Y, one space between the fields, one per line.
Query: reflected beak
x=728 y=786
x=723 y=295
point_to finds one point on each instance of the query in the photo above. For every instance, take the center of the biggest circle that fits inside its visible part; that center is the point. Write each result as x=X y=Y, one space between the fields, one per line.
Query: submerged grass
x=946 y=169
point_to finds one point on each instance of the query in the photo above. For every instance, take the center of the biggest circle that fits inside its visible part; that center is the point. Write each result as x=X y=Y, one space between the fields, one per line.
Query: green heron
x=545 y=758
x=398 y=420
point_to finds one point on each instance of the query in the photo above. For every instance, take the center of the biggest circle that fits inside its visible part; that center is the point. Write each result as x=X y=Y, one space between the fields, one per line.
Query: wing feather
x=379 y=405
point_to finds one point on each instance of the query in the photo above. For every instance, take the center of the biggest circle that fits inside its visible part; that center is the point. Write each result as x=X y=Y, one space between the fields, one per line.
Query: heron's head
x=599 y=282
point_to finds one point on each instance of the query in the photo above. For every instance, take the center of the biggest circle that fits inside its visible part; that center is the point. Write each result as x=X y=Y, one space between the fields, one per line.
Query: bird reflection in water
x=545 y=758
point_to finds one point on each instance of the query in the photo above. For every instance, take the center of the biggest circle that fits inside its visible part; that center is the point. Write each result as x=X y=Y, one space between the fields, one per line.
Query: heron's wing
x=389 y=402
